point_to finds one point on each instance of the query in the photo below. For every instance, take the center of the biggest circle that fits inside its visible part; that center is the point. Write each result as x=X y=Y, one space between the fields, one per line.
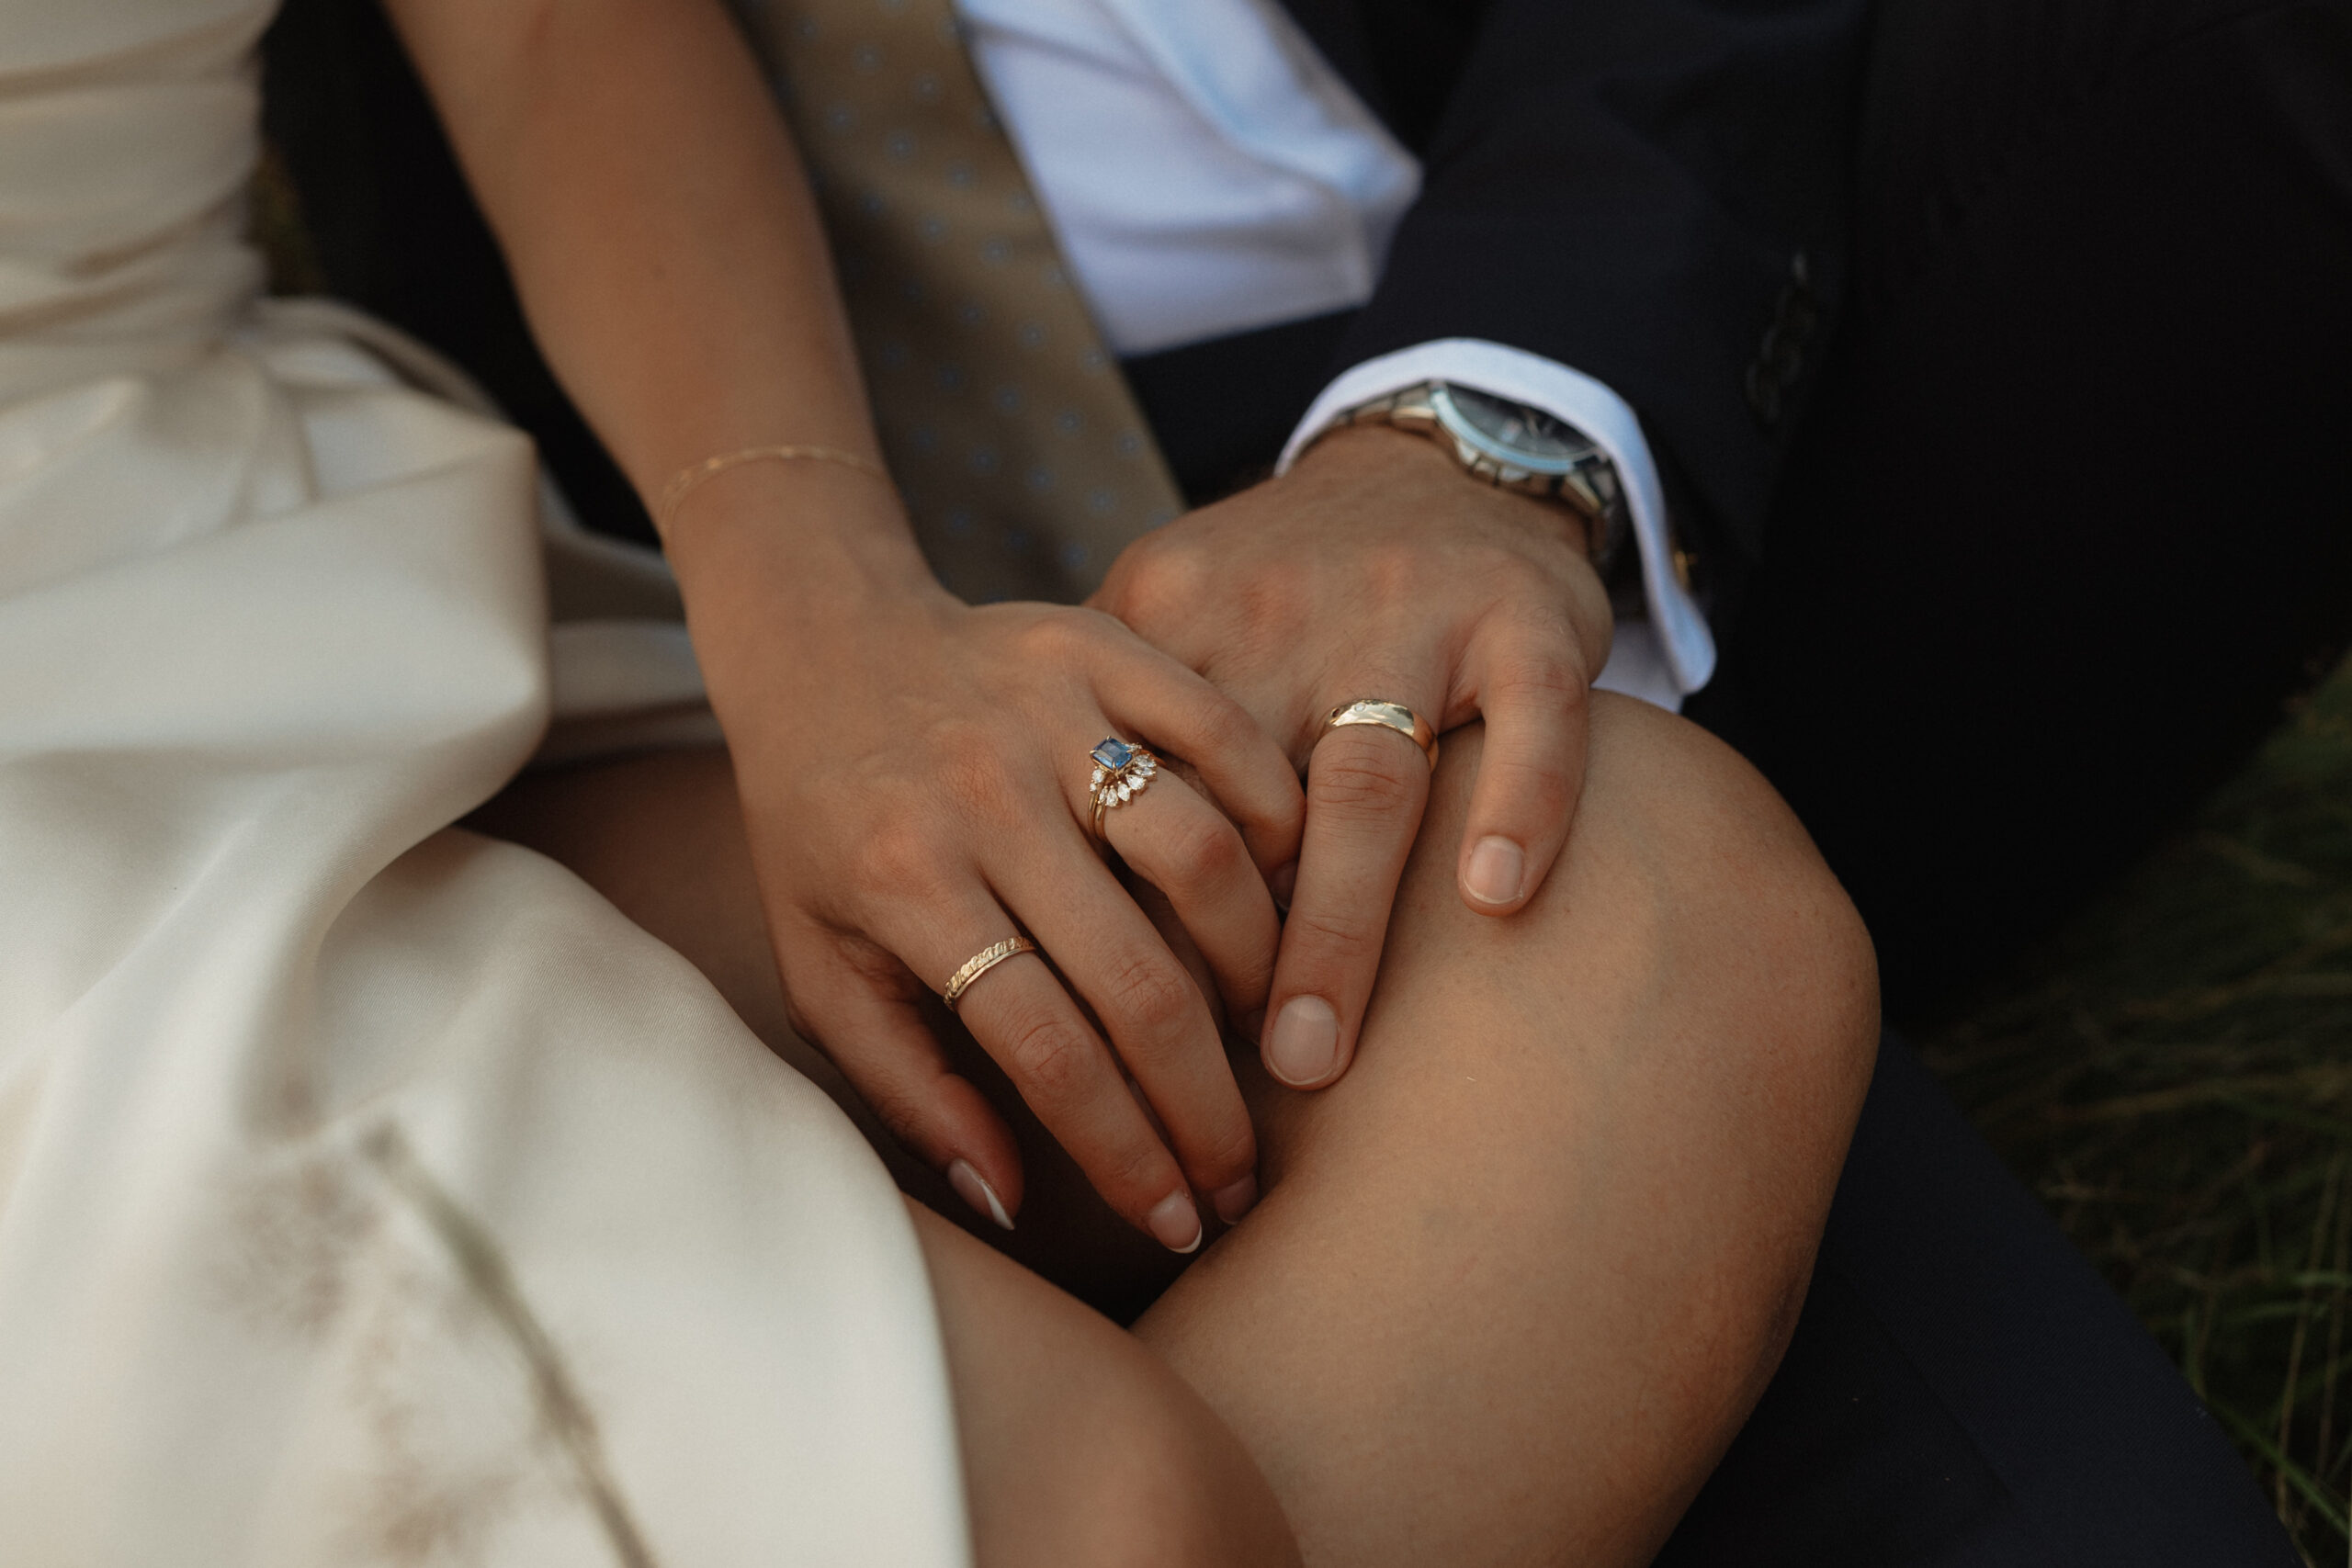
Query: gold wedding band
x=980 y=964
x=1387 y=716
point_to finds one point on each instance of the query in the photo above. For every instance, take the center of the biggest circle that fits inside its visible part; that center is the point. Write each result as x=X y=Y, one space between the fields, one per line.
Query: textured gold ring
x=1122 y=769
x=980 y=964
x=1387 y=716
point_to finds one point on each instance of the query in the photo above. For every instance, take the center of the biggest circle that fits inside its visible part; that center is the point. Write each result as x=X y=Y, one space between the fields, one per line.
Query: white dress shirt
x=1208 y=172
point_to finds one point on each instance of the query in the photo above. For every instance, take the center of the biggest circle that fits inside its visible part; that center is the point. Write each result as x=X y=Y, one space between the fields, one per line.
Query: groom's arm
x=1654 y=193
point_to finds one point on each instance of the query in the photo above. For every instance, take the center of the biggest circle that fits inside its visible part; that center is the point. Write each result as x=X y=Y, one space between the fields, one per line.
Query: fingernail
x=974 y=1189
x=1283 y=883
x=1235 y=1199
x=1176 y=1222
x=1305 y=1042
x=1495 y=867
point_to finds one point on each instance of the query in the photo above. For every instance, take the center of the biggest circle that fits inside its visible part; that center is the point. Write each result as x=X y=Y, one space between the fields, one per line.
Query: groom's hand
x=1377 y=568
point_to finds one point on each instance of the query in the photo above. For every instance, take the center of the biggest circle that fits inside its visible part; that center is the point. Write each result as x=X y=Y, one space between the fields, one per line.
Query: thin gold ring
x=1387 y=716
x=1122 y=769
x=980 y=964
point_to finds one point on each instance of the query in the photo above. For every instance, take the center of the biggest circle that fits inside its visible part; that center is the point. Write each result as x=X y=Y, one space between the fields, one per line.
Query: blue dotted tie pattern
x=1025 y=464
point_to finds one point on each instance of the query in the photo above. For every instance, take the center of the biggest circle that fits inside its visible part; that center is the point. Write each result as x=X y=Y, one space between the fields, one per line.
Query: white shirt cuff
x=1676 y=654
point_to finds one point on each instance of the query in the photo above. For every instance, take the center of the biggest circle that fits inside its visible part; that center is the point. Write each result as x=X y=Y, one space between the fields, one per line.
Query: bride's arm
x=658 y=226
x=912 y=770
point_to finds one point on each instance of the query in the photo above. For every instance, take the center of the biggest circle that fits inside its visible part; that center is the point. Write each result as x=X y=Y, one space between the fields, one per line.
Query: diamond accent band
x=1122 y=769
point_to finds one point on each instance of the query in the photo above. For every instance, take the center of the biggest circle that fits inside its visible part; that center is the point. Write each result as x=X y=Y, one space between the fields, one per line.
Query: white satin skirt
x=371 y=1191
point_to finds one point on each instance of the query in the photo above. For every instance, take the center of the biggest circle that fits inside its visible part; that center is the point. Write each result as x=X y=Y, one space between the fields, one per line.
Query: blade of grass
x=2302 y=1325
x=2293 y=1473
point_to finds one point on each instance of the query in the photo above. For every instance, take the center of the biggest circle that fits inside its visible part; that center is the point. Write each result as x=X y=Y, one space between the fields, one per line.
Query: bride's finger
x=1239 y=764
x=1162 y=916
x=1237 y=1199
x=879 y=1041
x=1157 y=1018
x=955 y=934
x=1185 y=847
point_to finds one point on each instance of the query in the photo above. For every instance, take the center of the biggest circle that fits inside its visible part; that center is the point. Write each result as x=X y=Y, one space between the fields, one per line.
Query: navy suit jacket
x=1653 y=191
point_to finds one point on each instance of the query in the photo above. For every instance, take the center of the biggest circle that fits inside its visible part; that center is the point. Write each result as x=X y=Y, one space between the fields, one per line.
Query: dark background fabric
x=2070 y=516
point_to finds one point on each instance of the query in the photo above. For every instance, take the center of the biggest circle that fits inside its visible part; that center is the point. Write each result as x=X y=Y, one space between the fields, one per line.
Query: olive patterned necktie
x=1025 y=464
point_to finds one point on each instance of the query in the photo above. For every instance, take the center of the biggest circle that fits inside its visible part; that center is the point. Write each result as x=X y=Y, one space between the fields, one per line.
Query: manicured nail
x=1304 y=1043
x=1235 y=1199
x=974 y=1189
x=1176 y=1222
x=1495 y=867
x=1283 y=883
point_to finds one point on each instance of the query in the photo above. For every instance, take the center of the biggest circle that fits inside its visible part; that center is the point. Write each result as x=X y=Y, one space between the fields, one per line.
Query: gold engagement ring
x=1121 y=770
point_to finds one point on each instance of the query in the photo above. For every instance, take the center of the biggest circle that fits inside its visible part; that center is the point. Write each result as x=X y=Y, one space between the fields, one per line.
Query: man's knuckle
x=1320 y=931
x=1352 y=777
x=1223 y=720
x=1274 y=604
x=1060 y=638
x=1171 y=565
x=1159 y=583
x=1535 y=787
x=1395 y=570
x=1551 y=674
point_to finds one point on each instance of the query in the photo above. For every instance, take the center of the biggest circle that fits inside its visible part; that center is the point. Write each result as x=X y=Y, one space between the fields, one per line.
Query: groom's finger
x=1366 y=789
x=1534 y=694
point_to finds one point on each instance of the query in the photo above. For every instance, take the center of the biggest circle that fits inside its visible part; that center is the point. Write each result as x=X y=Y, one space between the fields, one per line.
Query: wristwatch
x=1514 y=447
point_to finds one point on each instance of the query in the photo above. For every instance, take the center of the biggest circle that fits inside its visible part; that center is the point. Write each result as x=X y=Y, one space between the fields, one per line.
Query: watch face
x=1510 y=432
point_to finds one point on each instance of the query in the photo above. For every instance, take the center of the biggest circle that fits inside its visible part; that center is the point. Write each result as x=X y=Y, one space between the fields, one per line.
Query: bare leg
x=1080 y=1448
x=1517 y=1277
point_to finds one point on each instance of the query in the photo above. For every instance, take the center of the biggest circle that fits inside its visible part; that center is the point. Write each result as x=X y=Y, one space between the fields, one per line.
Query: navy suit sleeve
x=1653 y=192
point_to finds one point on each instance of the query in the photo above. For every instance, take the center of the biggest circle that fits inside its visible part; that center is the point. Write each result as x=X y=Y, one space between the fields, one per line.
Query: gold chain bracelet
x=683 y=482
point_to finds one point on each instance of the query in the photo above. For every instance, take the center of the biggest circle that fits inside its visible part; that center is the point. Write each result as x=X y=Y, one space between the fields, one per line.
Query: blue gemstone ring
x=1121 y=771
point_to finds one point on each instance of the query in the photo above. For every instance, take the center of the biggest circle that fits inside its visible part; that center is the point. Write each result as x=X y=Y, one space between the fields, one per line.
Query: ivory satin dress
x=371 y=1192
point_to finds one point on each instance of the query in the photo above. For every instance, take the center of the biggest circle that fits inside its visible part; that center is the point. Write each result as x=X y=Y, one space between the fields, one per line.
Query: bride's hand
x=916 y=781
